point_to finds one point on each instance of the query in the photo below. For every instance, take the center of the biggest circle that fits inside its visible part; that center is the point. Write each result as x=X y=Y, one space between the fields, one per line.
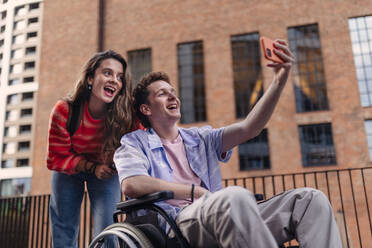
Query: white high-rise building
x=20 y=38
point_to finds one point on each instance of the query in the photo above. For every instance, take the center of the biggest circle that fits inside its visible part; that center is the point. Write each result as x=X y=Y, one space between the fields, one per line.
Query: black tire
x=130 y=230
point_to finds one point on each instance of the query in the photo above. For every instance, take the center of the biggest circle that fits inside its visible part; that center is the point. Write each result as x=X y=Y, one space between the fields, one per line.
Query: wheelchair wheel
x=128 y=235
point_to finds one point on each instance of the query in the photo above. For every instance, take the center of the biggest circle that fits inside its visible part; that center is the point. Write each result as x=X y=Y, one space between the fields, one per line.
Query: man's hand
x=103 y=171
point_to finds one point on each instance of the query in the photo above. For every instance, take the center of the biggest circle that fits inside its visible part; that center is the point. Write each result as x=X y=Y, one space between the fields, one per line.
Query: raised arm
x=256 y=120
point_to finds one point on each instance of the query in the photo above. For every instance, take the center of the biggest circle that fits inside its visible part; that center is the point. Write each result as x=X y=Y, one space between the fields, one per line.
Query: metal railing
x=24 y=221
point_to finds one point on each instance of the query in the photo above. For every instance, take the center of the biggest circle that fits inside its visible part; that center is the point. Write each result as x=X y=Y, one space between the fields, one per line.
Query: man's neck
x=168 y=132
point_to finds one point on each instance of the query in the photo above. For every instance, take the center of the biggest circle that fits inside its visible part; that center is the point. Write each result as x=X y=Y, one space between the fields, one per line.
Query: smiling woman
x=84 y=157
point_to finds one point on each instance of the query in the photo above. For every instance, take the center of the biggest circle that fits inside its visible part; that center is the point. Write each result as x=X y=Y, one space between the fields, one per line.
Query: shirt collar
x=155 y=142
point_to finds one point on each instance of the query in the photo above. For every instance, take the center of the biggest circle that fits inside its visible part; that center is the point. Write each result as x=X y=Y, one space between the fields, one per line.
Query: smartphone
x=267 y=46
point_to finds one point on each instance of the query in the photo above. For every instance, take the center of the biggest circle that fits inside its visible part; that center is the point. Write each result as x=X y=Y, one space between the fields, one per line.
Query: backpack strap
x=74 y=117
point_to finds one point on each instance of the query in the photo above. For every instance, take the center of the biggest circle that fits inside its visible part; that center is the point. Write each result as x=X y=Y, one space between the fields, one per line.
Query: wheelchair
x=143 y=231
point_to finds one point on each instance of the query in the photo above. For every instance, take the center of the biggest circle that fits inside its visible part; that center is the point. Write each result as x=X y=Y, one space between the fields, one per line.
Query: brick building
x=211 y=51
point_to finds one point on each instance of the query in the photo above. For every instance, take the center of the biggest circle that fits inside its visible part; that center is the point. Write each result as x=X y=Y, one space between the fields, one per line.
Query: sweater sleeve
x=60 y=156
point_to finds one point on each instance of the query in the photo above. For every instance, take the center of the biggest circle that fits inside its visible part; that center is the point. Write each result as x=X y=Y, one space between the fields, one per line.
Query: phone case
x=267 y=46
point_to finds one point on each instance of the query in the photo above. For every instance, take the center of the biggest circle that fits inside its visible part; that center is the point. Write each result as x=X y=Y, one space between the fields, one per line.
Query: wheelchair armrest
x=133 y=204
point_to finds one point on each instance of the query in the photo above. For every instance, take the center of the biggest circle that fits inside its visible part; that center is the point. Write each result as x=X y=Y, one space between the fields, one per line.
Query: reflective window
x=9 y=163
x=16 y=54
x=308 y=71
x=11 y=115
x=23 y=162
x=23 y=146
x=12 y=99
x=139 y=62
x=248 y=85
x=9 y=148
x=20 y=10
x=24 y=129
x=31 y=36
x=28 y=79
x=27 y=96
x=317 y=144
x=15 y=187
x=15 y=68
x=368 y=127
x=34 y=6
x=10 y=131
x=30 y=50
x=33 y=20
x=18 y=39
x=255 y=153
x=19 y=25
x=191 y=82
x=2 y=29
x=29 y=65
x=26 y=112
x=361 y=38
x=14 y=81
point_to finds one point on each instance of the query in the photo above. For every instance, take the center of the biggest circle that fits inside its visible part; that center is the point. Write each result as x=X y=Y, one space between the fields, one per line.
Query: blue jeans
x=66 y=197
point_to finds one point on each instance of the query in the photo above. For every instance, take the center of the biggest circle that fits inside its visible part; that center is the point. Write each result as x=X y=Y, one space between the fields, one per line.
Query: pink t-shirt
x=182 y=173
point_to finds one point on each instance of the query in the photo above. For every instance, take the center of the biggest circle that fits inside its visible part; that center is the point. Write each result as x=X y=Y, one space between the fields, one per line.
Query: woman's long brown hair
x=119 y=118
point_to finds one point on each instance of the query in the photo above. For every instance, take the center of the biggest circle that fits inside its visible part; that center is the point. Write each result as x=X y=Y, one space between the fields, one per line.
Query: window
x=34 y=6
x=361 y=38
x=9 y=148
x=20 y=10
x=32 y=20
x=3 y=15
x=15 y=187
x=23 y=146
x=1 y=57
x=191 y=82
x=28 y=96
x=12 y=99
x=14 y=81
x=15 y=68
x=18 y=39
x=31 y=35
x=24 y=129
x=9 y=163
x=30 y=65
x=248 y=85
x=309 y=79
x=317 y=144
x=11 y=115
x=28 y=79
x=30 y=50
x=16 y=54
x=26 y=113
x=19 y=25
x=10 y=131
x=1 y=43
x=140 y=63
x=22 y=162
x=368 y=127
x=255 y=154
x=2 y=29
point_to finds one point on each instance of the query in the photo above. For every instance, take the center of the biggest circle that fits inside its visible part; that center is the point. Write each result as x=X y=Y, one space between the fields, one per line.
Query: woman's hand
x=103 y=171
x=282 y=70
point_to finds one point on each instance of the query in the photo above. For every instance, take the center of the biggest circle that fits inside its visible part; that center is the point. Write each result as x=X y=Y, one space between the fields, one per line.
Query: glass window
x=10 y=131
x=317 y=144
x=1 y=43
x=309 y=79
x=27 y=96
x=361 y=38
x=9 y=163
x=14 y=81
x=191 y=82
x=30 y=65
x=30 y=50
x=23 y=146
x=11 y=115
x=34 y=6
x=28 y=79
x=9 y=148
x=19 y=25
x=368 y=127
x=26 y=112
x=12 y=99
x=20 y=10
x=18 y=39
x=3 y=15
x=31 y=35
x=24 y=129
x=33 y=20
x=15 y=68
x=16 y=54
x=140 y=63
x=255 y=153
x=15 y=187
x=248 y=85
x=23 y=162
x=2 y=29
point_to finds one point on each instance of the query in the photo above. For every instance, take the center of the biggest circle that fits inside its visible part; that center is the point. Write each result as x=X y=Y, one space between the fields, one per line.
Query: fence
x=24 y=221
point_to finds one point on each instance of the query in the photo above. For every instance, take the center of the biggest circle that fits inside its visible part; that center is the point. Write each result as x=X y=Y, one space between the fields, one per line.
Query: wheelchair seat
x=143 y=231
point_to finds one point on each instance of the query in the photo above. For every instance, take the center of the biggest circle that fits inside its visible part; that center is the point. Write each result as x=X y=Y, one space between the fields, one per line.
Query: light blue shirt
x=142 y=153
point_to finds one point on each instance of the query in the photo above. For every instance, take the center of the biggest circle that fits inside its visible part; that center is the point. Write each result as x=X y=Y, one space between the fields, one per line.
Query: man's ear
x=145 y=109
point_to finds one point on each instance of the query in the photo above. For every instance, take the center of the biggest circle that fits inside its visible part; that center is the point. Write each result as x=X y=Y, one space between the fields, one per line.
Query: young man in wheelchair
x=186 y=161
